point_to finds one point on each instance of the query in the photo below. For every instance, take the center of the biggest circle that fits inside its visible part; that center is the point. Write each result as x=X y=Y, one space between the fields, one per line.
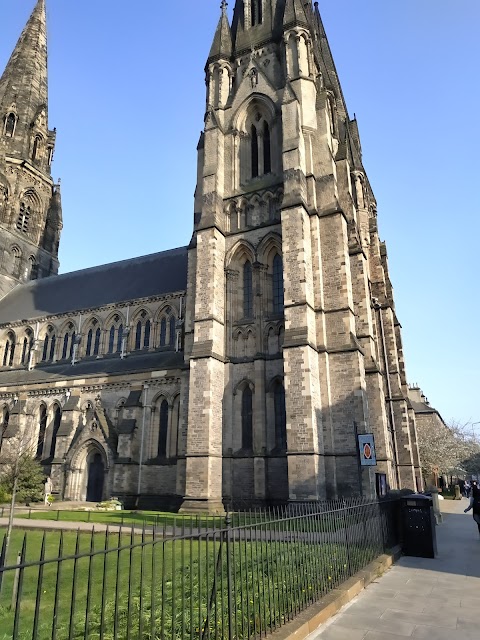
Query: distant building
x=238 y=369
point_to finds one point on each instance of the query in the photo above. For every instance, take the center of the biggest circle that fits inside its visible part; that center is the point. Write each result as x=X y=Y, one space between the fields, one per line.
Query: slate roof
x=152 y=275
x=113 y=365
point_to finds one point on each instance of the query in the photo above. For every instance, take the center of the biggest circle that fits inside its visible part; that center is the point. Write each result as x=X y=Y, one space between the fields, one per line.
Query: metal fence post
x=228 y=524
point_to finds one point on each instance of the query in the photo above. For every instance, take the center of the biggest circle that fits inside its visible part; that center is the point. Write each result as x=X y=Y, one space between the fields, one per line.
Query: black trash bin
x=419 y=536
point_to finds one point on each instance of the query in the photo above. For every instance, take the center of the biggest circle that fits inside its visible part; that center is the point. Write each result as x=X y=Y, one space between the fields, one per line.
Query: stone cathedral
x=237 y=370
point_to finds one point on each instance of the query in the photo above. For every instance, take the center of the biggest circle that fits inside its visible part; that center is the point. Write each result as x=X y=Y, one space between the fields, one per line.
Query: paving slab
x=421 y=598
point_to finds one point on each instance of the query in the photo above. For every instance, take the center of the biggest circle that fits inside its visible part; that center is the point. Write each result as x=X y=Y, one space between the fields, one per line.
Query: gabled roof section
x=153 y=275
x=222 y=45
x=24 y=81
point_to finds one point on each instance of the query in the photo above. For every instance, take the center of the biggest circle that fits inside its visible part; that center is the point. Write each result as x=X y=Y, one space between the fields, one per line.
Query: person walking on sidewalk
x=475 y=505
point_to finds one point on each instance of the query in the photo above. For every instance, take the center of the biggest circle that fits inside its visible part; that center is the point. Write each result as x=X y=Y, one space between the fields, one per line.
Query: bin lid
x=416 y=499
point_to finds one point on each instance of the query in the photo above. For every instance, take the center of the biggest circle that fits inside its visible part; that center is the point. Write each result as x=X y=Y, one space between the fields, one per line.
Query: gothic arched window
x=254 y=150
x=247 y=290
x=267 y=153
x=41 y=431
x=256 y=142
x=111 y=339
x=138 y=335
x=27 y=346
x=52 y=347
x=68 y=342
x=163 y=332
x=24 y=216
x=33 y=268
x=163 y=429
x=146 y=336
x=247 y=419
x=36 y=144
x=9 y=350
x=280 y=417
x=17 y=262
x=172 y=331
x=277 y=282
x=119 y=338
x=10 y=123
x=115 y=335
x=96 y=346
x=89 y=343
x=57 y=419
x=256 y=12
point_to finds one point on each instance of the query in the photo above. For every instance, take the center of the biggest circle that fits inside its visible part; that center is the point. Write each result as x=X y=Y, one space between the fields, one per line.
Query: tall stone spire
x=222 y=41
x=23 y=85
x=30 y=207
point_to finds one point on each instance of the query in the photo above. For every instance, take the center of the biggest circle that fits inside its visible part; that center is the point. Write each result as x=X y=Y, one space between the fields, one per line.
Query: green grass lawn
x=167 y=589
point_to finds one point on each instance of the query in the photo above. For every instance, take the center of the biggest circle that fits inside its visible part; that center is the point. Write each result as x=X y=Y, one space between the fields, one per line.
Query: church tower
x=292 y=339
x=30 y=203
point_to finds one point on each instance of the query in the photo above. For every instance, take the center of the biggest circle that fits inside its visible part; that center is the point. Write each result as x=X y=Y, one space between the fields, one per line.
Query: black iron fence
x=237 y=578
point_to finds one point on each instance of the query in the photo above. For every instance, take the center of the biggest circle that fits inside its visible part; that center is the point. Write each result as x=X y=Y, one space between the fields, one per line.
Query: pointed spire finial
x=224 y=6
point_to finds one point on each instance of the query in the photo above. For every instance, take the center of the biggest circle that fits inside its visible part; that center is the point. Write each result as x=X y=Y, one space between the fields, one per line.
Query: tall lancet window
x=247 y=290
x=10 y=123
x=267 y=155
x=247 y=419
x=256 y=12
x=254 y=134
x=257 y=142
x=277 y=282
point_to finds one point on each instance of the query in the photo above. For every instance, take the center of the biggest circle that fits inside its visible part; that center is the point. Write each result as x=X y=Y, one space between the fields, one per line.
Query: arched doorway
x=95 y=477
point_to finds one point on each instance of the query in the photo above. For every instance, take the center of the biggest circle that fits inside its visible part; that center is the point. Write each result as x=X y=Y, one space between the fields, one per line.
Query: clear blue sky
x=127 y=96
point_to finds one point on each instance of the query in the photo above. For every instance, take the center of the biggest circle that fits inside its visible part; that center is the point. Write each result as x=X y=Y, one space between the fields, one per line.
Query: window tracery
x=27 y=346
x=49 y=344
x=9 y=352
x=115 y=335
x=68 y=342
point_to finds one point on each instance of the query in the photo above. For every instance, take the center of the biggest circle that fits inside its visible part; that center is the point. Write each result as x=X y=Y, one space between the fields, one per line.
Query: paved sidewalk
x=419 y=597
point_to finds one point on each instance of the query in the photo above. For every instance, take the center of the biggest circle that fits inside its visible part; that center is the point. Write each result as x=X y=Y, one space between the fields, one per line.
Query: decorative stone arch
x=10 y=120
x=28 y=216
x=37 y=147
x=9 y=347
x=276 y=415
x=269 y=248
x=93 y=336
x=67 y=335
x=48 y=335
x=258 y=138
x=244 y=436
x=299 y=53
x=161 y=426
x=142 y=330
x=164 y=334
x=26 y=341
x=219 y=78
x=16 y=261
x=115 y=326
x=79 y=473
